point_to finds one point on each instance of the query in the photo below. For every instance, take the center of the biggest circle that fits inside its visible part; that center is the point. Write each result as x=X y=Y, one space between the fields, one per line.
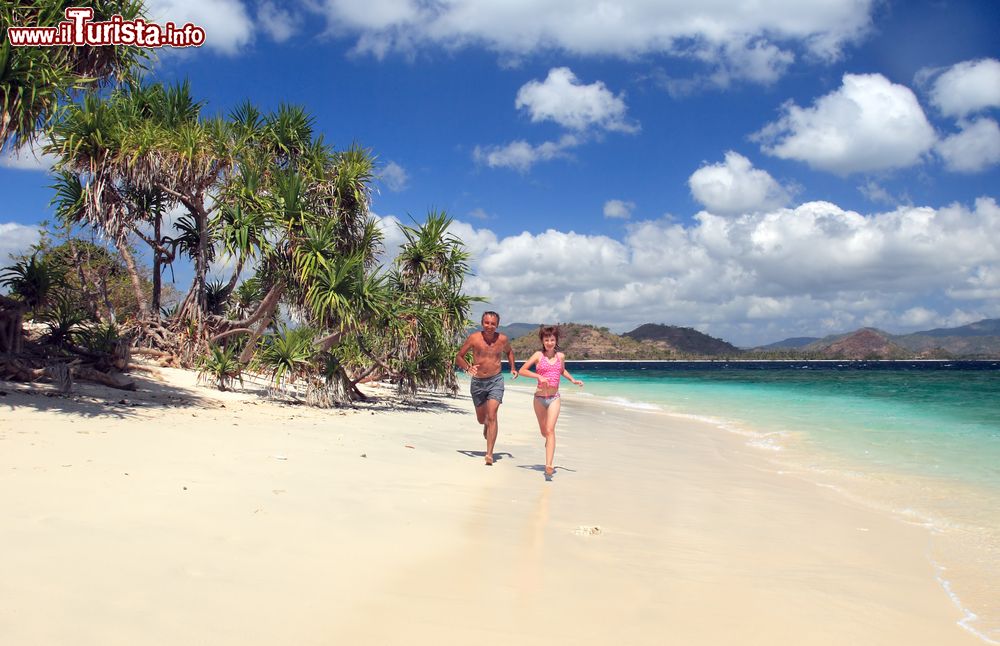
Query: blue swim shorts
x=486 y=388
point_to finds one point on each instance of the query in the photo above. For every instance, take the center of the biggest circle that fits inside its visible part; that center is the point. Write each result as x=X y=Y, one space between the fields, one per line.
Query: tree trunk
x=232 y=280
x=195 y=303
x=5 y=120
x=201 y=266
x=157 y=268
x=263 y=316
x=11 y=328
x=133 y=274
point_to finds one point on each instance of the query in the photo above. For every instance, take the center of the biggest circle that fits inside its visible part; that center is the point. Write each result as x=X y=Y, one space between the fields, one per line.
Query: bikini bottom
x=546 y=400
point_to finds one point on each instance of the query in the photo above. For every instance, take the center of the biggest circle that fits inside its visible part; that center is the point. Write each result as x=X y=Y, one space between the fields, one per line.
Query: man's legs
x=491 y=406
x=481 y=416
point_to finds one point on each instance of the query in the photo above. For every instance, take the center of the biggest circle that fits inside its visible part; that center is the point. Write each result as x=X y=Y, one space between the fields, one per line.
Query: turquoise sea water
x=920 y=418
x=920 y=440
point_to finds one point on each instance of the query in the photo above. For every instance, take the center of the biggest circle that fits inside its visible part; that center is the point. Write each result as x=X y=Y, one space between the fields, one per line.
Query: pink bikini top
x=552 y=371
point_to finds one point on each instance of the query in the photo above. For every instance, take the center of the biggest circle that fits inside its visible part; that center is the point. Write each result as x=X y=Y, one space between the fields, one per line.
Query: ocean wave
x=766 y=443
x=633 y=405
x=769 y=441
x=968 y=617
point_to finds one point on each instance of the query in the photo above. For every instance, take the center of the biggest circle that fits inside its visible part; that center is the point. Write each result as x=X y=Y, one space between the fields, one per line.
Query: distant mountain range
x=580 y=341
x=681 y=340
x=655 y=341
x=515 y=330
x=790 y=344
x=649 y=341
x=976 y=340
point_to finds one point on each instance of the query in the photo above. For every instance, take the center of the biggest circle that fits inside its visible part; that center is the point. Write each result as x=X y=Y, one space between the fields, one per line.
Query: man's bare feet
x=549 y=470
x=489 y=460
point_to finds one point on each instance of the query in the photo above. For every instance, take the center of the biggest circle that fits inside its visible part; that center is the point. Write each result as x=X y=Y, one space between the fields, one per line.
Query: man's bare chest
x=484 y=348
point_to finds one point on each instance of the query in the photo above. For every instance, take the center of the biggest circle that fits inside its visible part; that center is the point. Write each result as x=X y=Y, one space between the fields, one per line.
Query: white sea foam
x=771 y=441
x=766 y=443
x=968 y=617
x=634 y=405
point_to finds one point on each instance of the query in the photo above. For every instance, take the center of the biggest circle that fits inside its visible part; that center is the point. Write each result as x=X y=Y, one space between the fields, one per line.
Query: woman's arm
x=565 y=373
x=526 y=371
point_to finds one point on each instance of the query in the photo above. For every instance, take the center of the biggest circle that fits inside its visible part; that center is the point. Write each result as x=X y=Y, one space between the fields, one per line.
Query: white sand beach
x=181 y=515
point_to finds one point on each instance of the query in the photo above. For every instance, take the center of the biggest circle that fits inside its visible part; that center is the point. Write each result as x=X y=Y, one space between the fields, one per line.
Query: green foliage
x=287 y=355
x=188 y=236
x=64 y=320
x=100 y=338
x=33 y=281
x=216 y=295
x=245 y=297
x=264 y=187
x=36 y=82
x=423 y=311
x=90 y=275
x=222 y=366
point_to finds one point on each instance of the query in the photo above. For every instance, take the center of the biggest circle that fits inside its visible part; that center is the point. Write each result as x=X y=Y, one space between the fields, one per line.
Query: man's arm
x=460 y=357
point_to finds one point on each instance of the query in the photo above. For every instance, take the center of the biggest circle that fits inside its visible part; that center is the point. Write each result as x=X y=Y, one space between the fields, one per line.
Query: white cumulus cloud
x=808 y=270
x=966 y=88
x=562 y=98
x=974 y=149
x=735 y=186
x=228 y=27
x=584 y=109
x=395 y=177
x=276 y=22
x=877 y=193
x=392 y=237
x=868 y=124
x=521 y=155
x=16 y=239
x=618 y=209
x=28 y=158
x=741 y=38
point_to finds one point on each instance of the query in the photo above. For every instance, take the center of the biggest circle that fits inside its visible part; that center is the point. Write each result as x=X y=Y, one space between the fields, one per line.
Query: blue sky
x=756 y=170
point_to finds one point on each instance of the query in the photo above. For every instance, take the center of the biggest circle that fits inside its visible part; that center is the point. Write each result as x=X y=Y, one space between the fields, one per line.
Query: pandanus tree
x=431 y=309
x=101 y=181
x=262 y=189
x=36 y=82
x=265 y=191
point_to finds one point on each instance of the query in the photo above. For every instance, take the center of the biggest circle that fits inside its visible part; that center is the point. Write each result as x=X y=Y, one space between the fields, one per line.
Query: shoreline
x=975 y=557
x=211 y=517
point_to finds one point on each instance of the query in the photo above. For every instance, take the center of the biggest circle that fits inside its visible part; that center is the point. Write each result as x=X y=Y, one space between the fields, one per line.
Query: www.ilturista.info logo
x=78 y=30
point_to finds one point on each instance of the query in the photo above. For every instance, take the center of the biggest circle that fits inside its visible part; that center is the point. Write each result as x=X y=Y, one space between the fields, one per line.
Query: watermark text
x=79 y=29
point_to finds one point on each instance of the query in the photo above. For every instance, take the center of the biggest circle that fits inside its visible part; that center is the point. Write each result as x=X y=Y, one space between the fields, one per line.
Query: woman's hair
x=548 y=330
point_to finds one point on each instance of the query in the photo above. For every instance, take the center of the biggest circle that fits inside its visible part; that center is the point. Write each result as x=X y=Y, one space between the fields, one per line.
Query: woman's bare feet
x=489 y=460
x=549 y=470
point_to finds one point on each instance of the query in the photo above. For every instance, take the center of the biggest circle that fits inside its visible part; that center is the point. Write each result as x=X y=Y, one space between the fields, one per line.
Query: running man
x=488 y=346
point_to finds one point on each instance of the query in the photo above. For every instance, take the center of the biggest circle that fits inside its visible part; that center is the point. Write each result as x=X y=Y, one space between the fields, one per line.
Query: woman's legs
x=550 y=438
x=547 y=418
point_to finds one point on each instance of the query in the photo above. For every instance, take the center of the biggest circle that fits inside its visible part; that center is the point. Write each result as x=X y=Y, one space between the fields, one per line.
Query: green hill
x=682 y=340
x=580 y=341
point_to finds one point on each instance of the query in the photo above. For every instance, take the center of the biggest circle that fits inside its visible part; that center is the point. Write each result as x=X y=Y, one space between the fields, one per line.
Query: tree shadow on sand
x=94 y=401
